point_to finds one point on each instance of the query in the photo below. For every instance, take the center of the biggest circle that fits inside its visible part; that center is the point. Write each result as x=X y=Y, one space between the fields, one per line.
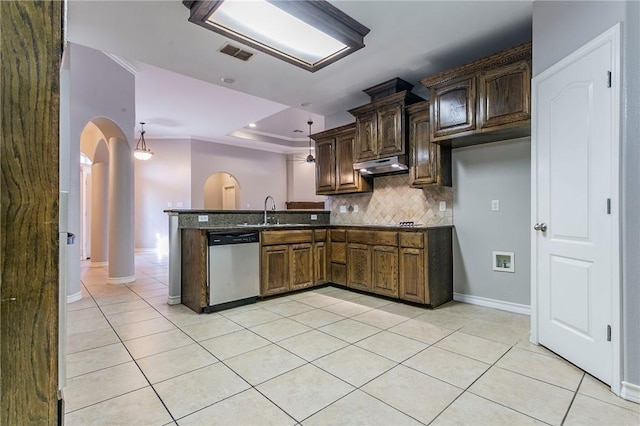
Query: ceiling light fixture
x=142 y=152
x=310 y=34
x=310 y=157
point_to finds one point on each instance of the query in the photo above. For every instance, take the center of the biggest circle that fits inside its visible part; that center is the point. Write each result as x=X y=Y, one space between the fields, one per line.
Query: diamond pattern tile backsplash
x=393 y=201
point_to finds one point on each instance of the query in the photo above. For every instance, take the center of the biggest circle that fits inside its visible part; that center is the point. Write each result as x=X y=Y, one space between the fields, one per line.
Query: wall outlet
x=203 y=218
x=314 y=217
x=443 y=206
x=495 y=205
x=356 y=209
x=343 y=209
x=178 y=204
x=169 y=204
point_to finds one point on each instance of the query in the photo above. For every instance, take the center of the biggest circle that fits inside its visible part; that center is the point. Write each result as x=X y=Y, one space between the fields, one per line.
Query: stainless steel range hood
x=382 y=166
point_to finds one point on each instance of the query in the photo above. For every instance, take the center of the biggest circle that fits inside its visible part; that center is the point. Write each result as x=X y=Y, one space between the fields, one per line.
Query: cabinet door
x=274 y=270
x=453 y=108
x=425 y=156
x=385 y=270
x=320 y=263
x=359 y=266
x=325 y=166
x=391 y=130
x=412 y=280
x=505 y=96
x=301 y=266
x=347 y=178
x=366 y=136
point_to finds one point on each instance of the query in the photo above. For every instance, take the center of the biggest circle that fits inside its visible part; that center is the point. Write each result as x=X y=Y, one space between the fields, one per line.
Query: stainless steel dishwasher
x=233 y=269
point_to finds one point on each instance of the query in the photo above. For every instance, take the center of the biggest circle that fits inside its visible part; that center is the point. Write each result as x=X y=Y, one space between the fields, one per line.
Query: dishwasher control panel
x=226 y=238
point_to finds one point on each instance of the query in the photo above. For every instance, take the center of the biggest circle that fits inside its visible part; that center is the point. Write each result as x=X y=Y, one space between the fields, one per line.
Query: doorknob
x=540 y=227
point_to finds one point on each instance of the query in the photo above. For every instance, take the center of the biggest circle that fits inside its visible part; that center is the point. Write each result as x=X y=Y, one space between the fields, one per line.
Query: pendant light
x=142 y=152
x=310 y=157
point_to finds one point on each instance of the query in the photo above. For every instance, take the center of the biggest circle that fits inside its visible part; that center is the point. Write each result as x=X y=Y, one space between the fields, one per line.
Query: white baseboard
x=74 y=297
x=493 y=303
x=146 y=250
x=121 y=280
x=98 y=264
x=174 y=300
x=630 y=392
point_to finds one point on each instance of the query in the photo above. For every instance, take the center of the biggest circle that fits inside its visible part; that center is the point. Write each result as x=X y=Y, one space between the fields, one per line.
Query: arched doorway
x=109 y=224
x=221 y=192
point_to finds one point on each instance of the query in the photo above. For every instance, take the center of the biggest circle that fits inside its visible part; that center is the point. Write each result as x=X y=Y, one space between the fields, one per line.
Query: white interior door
x=229 y=198
x=575 y=170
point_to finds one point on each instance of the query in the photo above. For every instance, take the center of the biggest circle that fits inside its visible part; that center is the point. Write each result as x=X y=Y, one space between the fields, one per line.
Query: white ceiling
x=179 y=91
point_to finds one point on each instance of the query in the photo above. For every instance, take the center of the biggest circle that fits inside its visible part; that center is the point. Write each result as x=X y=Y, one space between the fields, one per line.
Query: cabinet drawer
x=338 y=235
x=319 y=235
x=379 y=238
x=411 y=239
x=339 y=252
x=285 y=237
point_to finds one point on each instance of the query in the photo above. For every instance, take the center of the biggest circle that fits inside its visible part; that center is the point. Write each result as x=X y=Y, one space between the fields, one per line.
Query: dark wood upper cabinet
x=505 y=95
x=453 y=107
x=334 y=162
x=381 y=124
x=484 y=101
x=347 y=179
x=429 y=163
x=391 y=138
x=325 y=165
x=366 y=131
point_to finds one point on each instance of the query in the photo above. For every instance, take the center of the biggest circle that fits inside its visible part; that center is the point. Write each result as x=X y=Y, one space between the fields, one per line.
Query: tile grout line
x=134 y=361
x=566 y=413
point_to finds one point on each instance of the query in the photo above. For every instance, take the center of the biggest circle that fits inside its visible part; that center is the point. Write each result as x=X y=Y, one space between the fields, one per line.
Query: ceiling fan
x=309 y=158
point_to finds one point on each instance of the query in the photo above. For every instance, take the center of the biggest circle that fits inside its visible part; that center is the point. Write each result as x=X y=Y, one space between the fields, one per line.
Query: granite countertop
x=248 y=227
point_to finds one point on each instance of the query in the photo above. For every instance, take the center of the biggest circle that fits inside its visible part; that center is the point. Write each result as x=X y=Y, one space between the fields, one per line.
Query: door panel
x=575 y=176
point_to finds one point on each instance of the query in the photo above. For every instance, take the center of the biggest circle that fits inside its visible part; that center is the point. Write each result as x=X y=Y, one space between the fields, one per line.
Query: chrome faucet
x=273 y=207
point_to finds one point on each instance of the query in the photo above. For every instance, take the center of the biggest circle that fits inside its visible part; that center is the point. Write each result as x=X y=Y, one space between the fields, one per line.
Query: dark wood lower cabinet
x=301 y=266
x=359 y=266
x=415 y=265
x=412 y=275
x=320 y=263
x=385 y=270
x=274 y=270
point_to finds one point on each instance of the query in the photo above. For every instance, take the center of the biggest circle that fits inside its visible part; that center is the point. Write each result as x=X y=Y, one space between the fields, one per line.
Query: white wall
x=482 y=173
x=164 y=179
x=559 y=28
x=259 y=173
x=301 y=179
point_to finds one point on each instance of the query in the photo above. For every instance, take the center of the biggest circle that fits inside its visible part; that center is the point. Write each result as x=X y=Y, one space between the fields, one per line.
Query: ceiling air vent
x=236 y=52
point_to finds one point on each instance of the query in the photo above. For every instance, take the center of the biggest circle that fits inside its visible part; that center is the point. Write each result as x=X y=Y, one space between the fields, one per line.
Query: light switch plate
x=495 y=205
x=169 y=204
x=443 y=206
x=355 y=208
x=203 y=218
x=178 y=204
x=343 y=209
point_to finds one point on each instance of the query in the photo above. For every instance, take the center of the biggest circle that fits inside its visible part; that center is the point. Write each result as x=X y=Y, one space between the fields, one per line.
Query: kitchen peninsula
x=301 y=249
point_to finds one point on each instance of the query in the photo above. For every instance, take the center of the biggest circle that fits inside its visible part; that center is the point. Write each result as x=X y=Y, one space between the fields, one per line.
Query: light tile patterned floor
x=327 y=356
